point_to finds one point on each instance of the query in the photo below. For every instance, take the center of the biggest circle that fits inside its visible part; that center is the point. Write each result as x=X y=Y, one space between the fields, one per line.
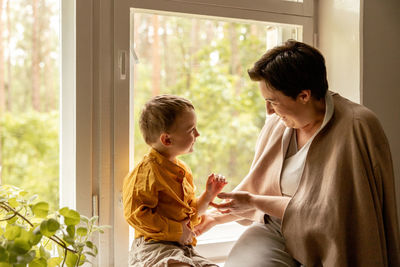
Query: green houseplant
x=31 y=235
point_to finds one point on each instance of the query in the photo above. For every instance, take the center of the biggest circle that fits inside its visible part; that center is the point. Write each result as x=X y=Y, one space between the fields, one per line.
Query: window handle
x=122 y=64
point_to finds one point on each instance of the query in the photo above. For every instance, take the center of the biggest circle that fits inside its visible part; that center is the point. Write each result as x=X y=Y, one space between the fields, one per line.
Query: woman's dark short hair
x=159 y=114
x=291 y=68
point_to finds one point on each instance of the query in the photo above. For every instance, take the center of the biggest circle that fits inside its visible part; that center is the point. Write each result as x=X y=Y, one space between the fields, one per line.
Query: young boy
x=159 y=194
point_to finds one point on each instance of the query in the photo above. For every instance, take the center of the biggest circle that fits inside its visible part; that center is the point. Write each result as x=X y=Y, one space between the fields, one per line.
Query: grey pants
x=261 y=245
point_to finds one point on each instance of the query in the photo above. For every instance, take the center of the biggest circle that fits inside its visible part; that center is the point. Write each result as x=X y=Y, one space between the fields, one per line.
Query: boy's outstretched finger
x=210 y=178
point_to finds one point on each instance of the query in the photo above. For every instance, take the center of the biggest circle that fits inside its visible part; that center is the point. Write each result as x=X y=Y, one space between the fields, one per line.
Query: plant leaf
x=24 y=259
x=82 y=231
x=20 y=246
x=13 y=202
x=3 y=254
x=71 y=217
x=12 y=232
x=49 y=227
x=41 y=209
x=89 y=244
x=82 y=260
x=44 y=253
x=71 y=259
x=36 y=236
x=54 y=262
x=71 y=231
x=40 y=262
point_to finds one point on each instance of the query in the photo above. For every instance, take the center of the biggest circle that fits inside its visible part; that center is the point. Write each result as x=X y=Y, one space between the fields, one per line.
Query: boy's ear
x=165 y=139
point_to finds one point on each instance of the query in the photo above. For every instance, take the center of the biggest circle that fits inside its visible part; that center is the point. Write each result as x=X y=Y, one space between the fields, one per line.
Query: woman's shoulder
x=346 y=109
x=351 y=116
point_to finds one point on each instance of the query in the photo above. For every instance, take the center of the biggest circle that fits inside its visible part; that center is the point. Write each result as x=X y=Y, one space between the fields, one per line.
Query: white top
x=293 y=165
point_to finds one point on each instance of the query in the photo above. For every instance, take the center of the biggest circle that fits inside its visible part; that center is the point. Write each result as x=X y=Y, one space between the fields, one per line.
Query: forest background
x=202 y=59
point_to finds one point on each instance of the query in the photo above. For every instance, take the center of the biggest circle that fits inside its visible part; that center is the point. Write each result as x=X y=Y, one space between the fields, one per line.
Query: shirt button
x=181 y=173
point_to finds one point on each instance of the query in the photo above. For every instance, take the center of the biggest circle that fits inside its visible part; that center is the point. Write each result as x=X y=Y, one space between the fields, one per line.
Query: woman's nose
x=269 y=108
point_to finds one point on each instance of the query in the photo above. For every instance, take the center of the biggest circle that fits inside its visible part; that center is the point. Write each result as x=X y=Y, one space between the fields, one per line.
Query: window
x=278 y=20
x=205 y=59
x=29 y=97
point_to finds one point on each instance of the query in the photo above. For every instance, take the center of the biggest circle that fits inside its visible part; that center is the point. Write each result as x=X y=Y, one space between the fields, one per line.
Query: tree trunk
x=195 y=44
x=236 y=67
x=35 y=57
x=136 y=44
x=156 y=60
x=2 y=87
x=170 y=71
x=9 y=74
x=186 y=64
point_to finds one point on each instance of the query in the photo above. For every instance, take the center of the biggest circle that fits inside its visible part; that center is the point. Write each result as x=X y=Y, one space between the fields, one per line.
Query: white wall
x=360 y=42
x=380 y=71
x=338 y=39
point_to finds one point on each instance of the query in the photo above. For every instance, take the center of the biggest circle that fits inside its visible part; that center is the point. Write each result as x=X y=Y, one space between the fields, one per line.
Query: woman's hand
x=238 y=202
x=187 y=233
x=208 y=221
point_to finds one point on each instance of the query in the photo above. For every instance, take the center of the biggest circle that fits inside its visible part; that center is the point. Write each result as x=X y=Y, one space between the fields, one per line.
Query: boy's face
x=183 y=133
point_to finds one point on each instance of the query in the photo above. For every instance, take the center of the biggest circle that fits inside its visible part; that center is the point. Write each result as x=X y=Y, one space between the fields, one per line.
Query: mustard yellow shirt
x=157 y=195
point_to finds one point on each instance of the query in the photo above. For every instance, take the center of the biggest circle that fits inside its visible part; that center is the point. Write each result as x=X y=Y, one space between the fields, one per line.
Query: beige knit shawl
x=343 y=212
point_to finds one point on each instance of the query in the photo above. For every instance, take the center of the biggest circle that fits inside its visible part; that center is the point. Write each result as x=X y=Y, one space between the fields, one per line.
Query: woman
x=321 y=186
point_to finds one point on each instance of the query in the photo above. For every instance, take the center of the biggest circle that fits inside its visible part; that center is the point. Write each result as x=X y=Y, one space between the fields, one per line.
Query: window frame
x=95 y=99
x=94 y=123
x=260 y=10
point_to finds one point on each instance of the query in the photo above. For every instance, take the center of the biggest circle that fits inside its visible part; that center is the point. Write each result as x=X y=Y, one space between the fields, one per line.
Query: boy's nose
x=196 y=133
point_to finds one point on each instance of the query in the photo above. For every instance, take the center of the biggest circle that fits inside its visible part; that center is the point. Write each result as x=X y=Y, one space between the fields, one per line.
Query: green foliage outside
x=230 y=111
x=29 y=117
x=32 y=236
x=30 y=153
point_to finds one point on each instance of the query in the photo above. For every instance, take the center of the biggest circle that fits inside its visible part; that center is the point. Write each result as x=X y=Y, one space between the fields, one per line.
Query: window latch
x=122 y=64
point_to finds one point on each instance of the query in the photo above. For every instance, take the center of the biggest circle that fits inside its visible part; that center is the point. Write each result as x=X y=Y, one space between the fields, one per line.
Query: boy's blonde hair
x=159 y=114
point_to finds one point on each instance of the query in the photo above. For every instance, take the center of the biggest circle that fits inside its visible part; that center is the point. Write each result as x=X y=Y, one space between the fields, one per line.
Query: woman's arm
x=211 y=219
x=241 y=201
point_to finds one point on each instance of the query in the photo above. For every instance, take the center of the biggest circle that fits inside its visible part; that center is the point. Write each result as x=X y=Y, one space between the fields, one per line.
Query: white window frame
x=94 y=151
x=259 y=10
x=94 y=134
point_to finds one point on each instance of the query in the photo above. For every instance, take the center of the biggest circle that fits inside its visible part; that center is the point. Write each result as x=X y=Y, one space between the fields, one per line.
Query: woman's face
x=289 y=110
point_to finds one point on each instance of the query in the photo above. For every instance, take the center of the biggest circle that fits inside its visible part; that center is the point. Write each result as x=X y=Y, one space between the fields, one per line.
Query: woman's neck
x=315 y=117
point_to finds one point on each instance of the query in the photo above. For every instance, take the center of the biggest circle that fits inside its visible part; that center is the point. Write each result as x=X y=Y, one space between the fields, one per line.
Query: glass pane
x=206 y=61
x=29 y=96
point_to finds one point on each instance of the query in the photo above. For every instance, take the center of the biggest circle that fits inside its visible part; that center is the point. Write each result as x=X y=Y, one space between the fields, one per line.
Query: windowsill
x=217 y=242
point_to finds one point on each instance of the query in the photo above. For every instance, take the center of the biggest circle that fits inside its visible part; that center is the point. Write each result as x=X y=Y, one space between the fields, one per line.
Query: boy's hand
x=215 y=184
x=187 y=233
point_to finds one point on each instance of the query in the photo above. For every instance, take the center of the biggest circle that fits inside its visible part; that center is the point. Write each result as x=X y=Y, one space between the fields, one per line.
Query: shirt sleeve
x=145 y=219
